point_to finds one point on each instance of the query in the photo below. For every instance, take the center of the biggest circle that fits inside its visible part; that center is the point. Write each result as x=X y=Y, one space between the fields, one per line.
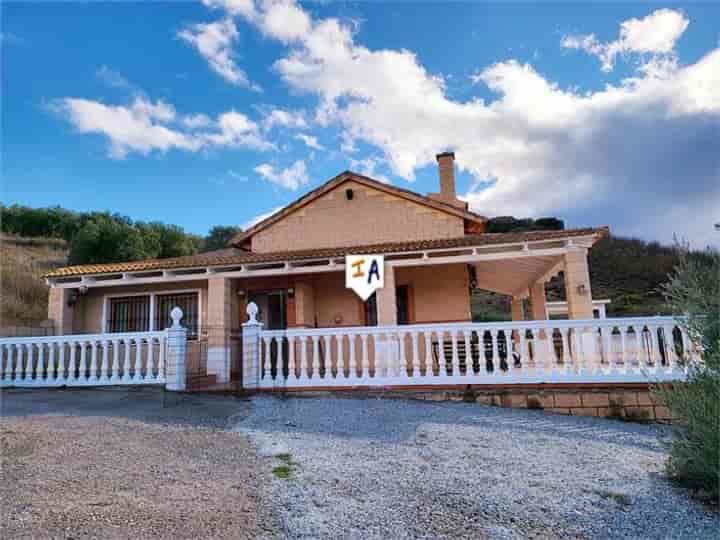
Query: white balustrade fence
x=609 y=350
x=83 y=360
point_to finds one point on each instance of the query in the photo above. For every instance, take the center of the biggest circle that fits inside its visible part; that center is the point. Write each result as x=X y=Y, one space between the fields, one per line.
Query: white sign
x=364 y=274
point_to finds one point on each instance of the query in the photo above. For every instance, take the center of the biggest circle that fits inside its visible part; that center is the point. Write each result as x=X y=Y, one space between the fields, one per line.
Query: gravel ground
x=118 y=464
x=373 y=468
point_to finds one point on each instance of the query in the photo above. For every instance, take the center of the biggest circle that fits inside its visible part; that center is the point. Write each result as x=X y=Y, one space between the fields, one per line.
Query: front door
x=272 y=309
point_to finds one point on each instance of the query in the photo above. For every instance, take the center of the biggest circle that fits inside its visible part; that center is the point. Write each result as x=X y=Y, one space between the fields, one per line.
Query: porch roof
x=236 y=256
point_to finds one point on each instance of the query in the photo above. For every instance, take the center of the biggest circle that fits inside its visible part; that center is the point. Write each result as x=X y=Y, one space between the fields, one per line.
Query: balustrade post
x=176 y=357
x=251 y=348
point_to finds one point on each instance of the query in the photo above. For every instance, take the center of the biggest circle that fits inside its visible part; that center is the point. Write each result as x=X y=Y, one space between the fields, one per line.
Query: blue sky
x=217 y=113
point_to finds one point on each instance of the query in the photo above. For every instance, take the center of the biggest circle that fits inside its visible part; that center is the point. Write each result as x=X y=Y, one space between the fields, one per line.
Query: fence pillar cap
x=252 y=312
x=176 y=314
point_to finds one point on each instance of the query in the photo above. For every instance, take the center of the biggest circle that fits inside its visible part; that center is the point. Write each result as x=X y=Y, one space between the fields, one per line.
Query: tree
x=694 y=290
x=219 y=237
x=105 y=240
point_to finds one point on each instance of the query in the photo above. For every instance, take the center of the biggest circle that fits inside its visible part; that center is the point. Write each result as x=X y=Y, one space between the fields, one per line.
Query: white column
x=175 y=376
x=251 y=348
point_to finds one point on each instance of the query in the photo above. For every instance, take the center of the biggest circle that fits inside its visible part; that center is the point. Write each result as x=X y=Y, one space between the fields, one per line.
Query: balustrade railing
x=83 y=360
x=609 y=350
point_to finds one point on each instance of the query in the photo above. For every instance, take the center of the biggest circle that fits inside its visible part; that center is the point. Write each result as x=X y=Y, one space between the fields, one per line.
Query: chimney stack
x=446 y=170
x=446 y=167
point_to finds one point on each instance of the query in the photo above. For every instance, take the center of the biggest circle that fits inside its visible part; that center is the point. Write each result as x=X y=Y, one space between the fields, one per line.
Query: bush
x=694 y=291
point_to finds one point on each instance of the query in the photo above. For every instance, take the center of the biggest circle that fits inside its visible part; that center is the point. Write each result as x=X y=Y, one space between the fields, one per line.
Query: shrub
x=694 y=290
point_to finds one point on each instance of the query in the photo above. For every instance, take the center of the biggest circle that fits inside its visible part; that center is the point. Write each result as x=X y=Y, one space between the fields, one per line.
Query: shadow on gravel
x=146 y=404
x=397 y=420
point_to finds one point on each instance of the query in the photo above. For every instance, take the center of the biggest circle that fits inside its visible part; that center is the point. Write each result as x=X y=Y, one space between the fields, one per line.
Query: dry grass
x=23 y=261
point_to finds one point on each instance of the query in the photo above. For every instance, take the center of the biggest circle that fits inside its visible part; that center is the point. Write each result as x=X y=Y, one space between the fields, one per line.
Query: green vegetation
x=694 y=290
x=102 y=237
x=283 y=471
x=503 y=224
x=219 y=237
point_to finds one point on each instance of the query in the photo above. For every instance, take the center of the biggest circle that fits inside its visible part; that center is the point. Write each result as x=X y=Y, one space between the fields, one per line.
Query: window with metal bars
x=188 y=302
x=129 y=314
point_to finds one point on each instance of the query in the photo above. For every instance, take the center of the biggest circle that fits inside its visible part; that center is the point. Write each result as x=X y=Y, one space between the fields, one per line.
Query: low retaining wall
x=630 y=402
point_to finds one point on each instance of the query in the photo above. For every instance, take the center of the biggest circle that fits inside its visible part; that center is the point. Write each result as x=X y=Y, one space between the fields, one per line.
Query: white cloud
x=655 y=35
x=283 y=118
x=196 y=120
x=310 y=141
x=293 y=177
x=144 y=126
x=368 y=167
x=214 y=42
x=257 y=219
x=112 y=77
x=628 y=154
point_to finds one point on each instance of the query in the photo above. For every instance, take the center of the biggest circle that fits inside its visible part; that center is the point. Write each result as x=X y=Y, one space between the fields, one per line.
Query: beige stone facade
x=371 y=216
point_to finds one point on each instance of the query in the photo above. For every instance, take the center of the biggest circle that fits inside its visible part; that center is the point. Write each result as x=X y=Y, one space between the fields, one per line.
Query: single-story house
x=291 y=265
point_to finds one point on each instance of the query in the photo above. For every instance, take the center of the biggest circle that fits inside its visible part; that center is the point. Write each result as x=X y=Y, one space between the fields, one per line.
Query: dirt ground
x=123 y=464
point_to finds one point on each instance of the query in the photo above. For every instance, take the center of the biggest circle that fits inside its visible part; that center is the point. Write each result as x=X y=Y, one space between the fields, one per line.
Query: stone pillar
x=251 y=348
x=175 y=372
x=577 y=285
x=220 y=308
x=386 y=300
x=59 y=312
x=538 y=306
x=304 y=305
x=517 y=311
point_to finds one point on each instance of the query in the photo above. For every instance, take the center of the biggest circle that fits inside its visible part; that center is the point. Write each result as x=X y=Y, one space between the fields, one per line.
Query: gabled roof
x=349 y=176
x=231 y=256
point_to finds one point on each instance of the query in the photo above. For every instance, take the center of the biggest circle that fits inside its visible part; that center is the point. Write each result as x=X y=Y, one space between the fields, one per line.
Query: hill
x=23 y=261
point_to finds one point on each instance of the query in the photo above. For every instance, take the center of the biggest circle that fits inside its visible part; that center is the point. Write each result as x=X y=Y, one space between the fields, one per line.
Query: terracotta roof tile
x=231 y=256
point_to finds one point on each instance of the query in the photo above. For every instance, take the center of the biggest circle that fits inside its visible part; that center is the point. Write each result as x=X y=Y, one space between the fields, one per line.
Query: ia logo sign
x=364 y=274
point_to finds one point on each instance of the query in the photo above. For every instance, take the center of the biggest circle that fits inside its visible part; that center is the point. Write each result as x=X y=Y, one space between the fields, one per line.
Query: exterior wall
x=632 y=403
x=334 y=304
x=89 y=308
x=370 y=217
x=59 y=312
x=439 y=293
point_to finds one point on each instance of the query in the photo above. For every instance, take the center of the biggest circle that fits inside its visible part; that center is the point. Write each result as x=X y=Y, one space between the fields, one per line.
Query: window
x=402 y=300
x=188 y=302
x=129 y=314
x=371 y=311
x=140 y=313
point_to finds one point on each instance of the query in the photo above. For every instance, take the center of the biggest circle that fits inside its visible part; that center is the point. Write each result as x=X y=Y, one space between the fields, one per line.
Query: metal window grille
x=188 y=302
x=129 y=314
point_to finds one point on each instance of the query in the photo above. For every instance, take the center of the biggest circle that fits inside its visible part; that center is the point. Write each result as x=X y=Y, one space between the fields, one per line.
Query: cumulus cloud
x=293 y=177
x=369 y=167
x=214 y=42
x=144 y=126
x=310 y=141
x=283 y=118
x=655 y=35
x=629 y=154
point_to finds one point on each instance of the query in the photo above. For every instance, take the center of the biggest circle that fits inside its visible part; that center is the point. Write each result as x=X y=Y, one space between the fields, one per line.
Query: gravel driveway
x=119 y=463
x=372 y=468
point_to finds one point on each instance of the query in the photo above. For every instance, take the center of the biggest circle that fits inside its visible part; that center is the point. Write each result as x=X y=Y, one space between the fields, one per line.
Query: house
x=290 y=265
x=272 y=311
